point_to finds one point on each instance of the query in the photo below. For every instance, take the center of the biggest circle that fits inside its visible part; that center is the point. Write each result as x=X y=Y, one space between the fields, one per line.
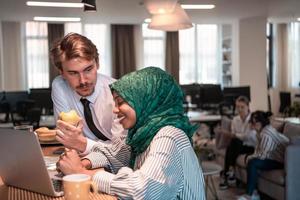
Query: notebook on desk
x=22 y=164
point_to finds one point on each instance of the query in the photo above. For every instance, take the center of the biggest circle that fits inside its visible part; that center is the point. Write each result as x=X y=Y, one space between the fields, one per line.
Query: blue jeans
x=253 y=168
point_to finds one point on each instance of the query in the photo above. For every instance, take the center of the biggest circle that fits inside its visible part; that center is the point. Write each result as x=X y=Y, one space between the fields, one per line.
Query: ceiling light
x=90 y=3
x=160 y=6
x=194 y=6
x=54 y=4
x=58 y=19
x=298 y=19
x=89 y=9
x=174 y=21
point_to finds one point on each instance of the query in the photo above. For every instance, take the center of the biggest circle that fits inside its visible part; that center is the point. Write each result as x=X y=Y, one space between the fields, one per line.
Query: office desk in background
x=206 y=118
x=12 y=193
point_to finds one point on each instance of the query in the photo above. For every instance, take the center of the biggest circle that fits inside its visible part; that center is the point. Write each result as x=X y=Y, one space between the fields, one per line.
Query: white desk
x=204 y=117
x=294 y=120
x=197 y=116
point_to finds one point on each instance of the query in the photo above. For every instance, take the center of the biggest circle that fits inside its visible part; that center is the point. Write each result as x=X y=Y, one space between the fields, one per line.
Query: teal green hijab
x=157 y=100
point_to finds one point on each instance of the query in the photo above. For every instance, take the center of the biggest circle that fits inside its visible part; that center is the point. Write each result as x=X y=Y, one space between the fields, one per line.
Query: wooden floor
x=232 y=193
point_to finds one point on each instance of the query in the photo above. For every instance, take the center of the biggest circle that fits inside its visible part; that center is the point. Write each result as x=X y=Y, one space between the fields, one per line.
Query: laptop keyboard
x=57 y=184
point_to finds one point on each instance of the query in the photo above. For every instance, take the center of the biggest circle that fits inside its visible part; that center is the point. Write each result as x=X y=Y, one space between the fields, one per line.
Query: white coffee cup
x=78 y=186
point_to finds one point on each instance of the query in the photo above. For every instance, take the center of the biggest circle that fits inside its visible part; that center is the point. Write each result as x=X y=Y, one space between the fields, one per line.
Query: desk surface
x=12 y=193
x=294 y=120
x=197 y=116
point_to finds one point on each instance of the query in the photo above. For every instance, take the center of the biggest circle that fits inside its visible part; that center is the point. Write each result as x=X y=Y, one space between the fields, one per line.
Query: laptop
x=22 y=163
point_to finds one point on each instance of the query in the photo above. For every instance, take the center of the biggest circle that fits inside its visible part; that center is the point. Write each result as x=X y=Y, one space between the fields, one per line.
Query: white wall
x=252 y=59
x=14 y=76
x=1 y=60
x=235 y=55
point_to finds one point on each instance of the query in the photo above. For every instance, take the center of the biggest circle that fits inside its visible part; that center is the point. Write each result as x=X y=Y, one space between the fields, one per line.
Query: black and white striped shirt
x=271 y=145
x=168 y=169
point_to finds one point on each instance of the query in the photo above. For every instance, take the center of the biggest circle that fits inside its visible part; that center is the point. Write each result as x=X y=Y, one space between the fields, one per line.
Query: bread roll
x=45 y=135
x=70 y=117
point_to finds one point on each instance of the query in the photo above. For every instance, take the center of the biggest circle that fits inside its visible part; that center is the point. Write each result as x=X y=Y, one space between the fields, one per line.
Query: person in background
x=162 y=163
x=269 y=152
x=81 y=88
x=243 y=140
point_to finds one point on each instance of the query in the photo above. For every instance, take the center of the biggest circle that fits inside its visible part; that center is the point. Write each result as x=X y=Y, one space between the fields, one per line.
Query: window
x=294 y=54
x=37 y=56
x=99 y=34
x=199 y=55
x=154 y=47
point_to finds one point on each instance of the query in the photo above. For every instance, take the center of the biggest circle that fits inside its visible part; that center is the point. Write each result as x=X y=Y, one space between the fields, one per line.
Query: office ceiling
x=132 y=12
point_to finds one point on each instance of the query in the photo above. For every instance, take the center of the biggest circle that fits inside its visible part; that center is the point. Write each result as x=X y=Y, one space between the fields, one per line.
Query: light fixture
x=298 y=19
x=89 y=3
x=160 y=6
x=57 y=19
x=172 y=21
x=54 y=4
x=89 y=9
x=199 y=6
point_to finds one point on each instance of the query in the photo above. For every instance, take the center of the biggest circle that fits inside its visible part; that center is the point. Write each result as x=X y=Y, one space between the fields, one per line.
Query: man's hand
x=71 y=136
x=70 y=163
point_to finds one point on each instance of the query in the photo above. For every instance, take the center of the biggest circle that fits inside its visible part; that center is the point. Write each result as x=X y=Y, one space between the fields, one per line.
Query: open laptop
x=22 y=164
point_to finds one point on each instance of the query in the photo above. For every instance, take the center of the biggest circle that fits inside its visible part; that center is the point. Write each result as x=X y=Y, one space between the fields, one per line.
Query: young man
x=81 y=88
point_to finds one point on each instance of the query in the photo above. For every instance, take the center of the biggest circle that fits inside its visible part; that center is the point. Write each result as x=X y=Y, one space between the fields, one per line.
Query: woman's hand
x=71 y=136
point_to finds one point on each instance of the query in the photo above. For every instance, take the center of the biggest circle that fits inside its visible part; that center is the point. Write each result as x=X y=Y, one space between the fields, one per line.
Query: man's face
x=242 y=108
x=81 y=75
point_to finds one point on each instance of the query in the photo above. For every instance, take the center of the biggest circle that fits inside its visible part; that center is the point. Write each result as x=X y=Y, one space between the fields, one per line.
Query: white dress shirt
x=167 y=169
x=65 y=99
x=243 y=130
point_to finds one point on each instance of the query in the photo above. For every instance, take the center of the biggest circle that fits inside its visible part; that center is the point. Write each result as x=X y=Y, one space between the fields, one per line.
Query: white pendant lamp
x=174 y=21
x=160 y=6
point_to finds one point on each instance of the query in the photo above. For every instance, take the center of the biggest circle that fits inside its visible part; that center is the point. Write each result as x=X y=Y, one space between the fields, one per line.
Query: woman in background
x=269 y=152
x=243 y=139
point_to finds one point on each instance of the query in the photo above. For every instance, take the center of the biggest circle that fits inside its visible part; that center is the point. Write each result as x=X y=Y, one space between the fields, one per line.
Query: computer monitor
x=193 y=90
x=13 y=97
x=234 y=92
x=42 y=98
x=210 y=94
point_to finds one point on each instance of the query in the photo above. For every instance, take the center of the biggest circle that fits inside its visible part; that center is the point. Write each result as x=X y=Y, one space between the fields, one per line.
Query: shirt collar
x=92 y=98
x=247 y=118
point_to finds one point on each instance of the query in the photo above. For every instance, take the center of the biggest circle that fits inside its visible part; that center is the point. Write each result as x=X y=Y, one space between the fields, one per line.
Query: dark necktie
x=89 y=120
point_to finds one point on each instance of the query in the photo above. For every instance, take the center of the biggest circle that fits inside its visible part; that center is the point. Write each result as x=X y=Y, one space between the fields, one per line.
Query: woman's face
x=242 y=108
x=257 y=126
x=125 y=113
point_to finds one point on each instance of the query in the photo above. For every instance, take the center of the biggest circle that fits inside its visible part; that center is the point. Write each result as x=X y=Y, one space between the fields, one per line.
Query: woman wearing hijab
x=155 y=160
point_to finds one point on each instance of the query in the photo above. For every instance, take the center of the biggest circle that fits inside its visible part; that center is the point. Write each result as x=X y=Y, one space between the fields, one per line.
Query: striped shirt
x=271 y=145
x=167 y=169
